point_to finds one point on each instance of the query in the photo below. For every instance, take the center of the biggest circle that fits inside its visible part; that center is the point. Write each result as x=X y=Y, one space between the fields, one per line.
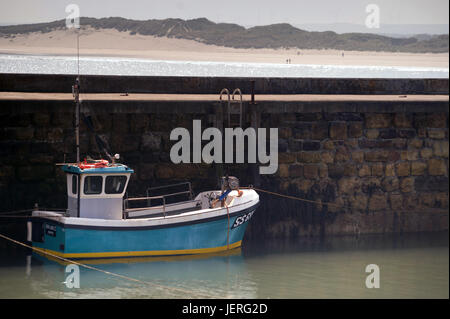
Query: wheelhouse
x=97 y=192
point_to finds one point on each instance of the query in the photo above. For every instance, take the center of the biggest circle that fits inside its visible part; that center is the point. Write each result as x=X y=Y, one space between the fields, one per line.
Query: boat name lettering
x=242 y=219
x=50 y=230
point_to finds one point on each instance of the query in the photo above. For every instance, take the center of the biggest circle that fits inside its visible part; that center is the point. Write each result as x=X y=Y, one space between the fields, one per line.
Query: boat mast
x=76 y=95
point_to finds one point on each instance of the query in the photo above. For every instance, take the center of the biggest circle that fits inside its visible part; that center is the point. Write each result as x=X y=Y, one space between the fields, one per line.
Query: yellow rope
x=101 y=270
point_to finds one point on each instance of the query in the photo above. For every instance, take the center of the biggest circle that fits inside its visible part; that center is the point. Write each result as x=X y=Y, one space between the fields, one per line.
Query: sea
x=406 y=266
x=94 y=65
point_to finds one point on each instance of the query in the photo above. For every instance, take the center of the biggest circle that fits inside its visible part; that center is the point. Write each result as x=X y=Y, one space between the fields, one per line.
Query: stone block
x=440 y=148
x=418 y=168
x=390 y=169
x=426 y=153
x=342 y=154
x=311 y=145
x=328 y=145
x=407 y=185
x=350 y=169
x=357 y=156
x=376 y=156
x=437 y=167
x=378 y=120
x=139 y=122
x=396 y=201
x=319 y=131
x=393 y=156
x=403 y=120
x=309 y=157
x=364 y=170
x=22 y=133
x=295 y=170
x=351 y=143
x=286 y=158
x=372 y=133
x=415 y=143
x=437 y=120
x=63 y=119
x=55 y=134
x=283 y=170
x=150 y=141
x=327 y=157
x=406 y=133
x=388 y=133
x=41 y=119
x=431 y=183
x=146 y=171
x=377 y=169
x=359 y=201
x=410 y=155
x=349 y=185
x=399 y=143
x=285 y=132
x=323 y=171
x=427 y=200
x=336 y=170
x=338 y=130
x=302 y=131
x=378 y=202
x=355 y=129
x=441 y=200
x=437 y=134
x=295 y=145
x=282 y=145
x=421 y=132
x=390 y=184
x=403 y=169
x=304 y=185
x=311 y=171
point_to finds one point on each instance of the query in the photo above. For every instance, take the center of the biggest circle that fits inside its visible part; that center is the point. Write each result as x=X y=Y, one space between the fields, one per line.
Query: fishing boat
x=100 y=221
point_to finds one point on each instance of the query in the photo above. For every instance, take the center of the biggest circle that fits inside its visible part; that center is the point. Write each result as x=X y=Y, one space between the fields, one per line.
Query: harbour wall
x=382 y=164
x=62 y=83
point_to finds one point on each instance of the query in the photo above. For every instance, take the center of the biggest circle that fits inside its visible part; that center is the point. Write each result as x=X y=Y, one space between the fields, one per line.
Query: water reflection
x=203 y=276
x=411 y=266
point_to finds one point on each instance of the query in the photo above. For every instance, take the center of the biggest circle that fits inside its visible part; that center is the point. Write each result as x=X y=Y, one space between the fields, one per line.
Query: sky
x=243 y=12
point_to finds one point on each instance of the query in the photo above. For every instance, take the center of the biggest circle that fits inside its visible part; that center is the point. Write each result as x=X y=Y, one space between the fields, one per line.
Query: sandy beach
x=109 y=42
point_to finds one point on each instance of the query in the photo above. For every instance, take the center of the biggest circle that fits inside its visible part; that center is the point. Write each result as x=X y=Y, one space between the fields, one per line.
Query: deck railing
x=160 y=197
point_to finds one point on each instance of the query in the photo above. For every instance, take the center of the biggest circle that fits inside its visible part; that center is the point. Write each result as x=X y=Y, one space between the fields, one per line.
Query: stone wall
x=384 y=169
x=384 y=172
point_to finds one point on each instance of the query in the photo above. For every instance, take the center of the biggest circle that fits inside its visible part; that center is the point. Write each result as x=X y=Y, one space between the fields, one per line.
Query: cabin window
x=74 y=184
x=93 y=185
x=115 y=184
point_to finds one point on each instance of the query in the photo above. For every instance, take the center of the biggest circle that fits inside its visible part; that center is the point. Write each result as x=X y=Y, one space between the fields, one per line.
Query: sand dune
x=109 y=42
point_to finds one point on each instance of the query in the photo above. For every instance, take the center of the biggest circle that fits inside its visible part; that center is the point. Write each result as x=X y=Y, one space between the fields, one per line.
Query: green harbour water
x=410 y=266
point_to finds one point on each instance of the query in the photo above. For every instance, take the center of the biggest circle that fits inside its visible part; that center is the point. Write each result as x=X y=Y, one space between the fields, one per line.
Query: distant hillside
x=232 y=35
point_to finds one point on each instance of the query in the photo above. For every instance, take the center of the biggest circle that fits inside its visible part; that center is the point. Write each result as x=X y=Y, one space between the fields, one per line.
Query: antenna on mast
x=78 y=51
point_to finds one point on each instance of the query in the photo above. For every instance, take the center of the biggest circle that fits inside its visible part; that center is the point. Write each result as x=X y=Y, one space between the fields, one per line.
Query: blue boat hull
x=204 y=236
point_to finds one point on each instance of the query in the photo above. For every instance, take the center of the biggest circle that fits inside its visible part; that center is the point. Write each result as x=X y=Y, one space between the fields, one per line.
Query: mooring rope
x=101 y=270
x=16 y=212
x=296 y=198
